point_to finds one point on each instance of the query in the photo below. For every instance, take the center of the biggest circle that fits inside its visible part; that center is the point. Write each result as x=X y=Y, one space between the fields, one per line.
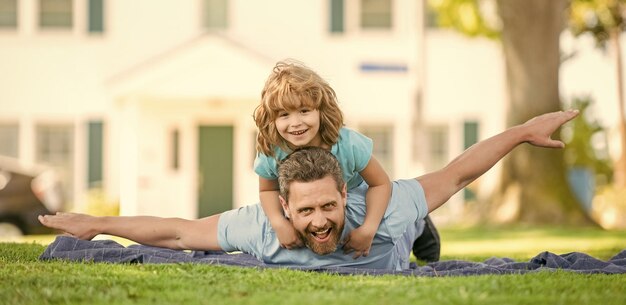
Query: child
x=298 y=108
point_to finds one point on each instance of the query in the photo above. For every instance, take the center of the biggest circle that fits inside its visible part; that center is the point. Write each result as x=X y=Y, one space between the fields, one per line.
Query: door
x=215 y=172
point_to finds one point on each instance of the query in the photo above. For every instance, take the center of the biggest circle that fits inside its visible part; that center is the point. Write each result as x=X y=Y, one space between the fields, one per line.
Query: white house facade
x=151 y=100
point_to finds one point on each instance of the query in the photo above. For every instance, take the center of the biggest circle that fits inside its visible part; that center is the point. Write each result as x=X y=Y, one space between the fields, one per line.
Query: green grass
x=25 y=280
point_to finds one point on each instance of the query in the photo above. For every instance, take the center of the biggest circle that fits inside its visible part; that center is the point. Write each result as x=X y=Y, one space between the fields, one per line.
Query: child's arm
x=268 y=194
x=376 y=201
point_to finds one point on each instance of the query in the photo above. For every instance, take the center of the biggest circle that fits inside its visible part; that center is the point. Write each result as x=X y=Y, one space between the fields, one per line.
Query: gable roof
x=208 y=66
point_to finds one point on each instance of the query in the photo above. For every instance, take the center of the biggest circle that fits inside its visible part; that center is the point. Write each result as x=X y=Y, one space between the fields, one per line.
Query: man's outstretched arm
x=172 y=233
x=439 y=186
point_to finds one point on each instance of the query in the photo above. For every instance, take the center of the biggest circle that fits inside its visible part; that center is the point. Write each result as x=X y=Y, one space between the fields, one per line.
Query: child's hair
x=290 y=86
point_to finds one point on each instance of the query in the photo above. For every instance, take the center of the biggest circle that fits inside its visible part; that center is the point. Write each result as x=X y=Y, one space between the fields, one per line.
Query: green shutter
x=95 y=153
x=336 y=16
x=470 y=134
x=96 y=16
x=470 y=137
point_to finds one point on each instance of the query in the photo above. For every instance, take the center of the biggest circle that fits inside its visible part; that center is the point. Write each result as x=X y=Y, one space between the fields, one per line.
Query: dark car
x=25 y=193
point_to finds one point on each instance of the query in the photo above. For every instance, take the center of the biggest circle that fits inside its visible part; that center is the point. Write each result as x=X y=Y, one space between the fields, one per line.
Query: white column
x=128 y=156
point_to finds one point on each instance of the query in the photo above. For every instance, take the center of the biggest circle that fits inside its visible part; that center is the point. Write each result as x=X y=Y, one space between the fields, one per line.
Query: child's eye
x=283 y=114
x=305 y=110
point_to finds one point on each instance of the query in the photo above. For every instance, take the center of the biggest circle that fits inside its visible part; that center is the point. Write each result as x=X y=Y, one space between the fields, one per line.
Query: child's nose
x=295 y=121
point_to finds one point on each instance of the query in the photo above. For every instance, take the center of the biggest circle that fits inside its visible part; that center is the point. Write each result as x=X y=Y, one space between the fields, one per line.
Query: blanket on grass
x=72 y=249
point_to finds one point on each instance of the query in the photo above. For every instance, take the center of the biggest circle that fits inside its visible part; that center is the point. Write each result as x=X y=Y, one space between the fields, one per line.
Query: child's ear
x=285 y=206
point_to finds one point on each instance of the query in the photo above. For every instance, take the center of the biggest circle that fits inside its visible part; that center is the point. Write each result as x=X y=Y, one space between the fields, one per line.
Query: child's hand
x=287 y=235
x=359 y=241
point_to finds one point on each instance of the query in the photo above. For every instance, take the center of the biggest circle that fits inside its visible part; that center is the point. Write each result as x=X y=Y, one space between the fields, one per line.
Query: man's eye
x=329 y=206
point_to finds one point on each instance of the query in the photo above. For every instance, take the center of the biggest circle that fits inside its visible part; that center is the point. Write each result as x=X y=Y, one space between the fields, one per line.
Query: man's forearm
x=147 y=230
x=482 y=156
x=439 y=186
x=476 y=160
x=173 y=233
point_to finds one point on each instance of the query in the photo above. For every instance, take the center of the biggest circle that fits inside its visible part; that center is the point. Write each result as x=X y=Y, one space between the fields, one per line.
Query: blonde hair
x=290 y=86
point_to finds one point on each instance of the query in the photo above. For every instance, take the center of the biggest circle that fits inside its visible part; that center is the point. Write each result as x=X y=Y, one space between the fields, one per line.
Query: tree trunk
x=534 y=186
x=619 y=170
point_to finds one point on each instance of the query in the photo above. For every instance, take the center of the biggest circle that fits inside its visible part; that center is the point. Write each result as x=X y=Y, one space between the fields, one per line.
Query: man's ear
x=344 y=194
x=285 y=205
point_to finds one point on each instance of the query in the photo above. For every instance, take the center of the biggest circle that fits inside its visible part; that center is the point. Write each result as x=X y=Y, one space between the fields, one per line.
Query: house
x=151 y=100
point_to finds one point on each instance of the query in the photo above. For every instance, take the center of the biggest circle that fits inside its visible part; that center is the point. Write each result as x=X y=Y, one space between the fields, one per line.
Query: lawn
x=25 y=280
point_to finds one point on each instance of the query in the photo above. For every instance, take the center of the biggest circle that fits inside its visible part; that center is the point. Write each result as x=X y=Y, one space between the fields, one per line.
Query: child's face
x=299 y=127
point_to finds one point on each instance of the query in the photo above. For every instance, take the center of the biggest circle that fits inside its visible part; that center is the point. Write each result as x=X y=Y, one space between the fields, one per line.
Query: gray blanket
x=72 y=249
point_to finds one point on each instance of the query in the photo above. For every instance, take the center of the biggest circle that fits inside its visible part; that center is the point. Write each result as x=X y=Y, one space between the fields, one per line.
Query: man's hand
x=80 y=226
x=287 y=235
x=359 y=241
x=539 y=129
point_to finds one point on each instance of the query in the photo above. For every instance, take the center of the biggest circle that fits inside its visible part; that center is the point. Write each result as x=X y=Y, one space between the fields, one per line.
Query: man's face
x=317 y=210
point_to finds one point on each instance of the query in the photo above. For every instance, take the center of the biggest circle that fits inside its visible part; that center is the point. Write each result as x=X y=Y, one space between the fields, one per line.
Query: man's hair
x=290 y=86
x=308 y=164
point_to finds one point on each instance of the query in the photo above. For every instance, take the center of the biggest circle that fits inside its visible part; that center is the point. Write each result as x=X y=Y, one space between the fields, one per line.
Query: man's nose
x=318 y=220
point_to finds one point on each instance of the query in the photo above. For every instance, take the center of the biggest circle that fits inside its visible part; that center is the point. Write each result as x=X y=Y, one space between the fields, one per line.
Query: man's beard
x=323 y=248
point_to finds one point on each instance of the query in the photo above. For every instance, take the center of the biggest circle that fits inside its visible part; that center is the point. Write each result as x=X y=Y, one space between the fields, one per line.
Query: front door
x=215 y=172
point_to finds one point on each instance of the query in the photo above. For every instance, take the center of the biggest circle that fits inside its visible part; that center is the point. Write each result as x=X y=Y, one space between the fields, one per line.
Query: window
x=432 y=17
x=54 y=146
x=96 y=16
x=56 y=14
x=438 y=149
x=9 y=140
x=376 y=14
x=215 y=14
x=336 y=16
x=382 y=135
x=8 y=14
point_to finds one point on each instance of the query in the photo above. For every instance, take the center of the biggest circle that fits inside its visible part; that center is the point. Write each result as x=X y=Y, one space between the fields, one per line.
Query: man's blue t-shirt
x=247 y=229
x=353 y=150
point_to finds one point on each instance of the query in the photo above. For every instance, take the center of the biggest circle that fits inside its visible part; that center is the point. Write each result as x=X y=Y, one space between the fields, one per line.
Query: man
x=313 y=196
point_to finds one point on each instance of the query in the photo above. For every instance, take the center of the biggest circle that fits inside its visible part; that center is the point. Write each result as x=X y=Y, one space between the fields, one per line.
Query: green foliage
x=597 y=17
x=465 y=16
x=586 y=141
x=25 y=280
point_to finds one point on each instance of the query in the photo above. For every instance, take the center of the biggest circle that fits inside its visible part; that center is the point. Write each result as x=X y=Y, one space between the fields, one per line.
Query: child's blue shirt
x=353 y=150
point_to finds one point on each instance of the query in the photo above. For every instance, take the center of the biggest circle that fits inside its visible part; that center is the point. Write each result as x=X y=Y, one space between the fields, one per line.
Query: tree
x=604 y=20
x=534 y=186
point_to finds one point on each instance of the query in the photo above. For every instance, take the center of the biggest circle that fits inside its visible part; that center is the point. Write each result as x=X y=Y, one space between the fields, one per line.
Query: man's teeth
x=321 y=234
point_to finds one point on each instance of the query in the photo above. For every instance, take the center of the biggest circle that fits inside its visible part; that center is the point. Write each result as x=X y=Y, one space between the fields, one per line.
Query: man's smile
x=322 y=235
